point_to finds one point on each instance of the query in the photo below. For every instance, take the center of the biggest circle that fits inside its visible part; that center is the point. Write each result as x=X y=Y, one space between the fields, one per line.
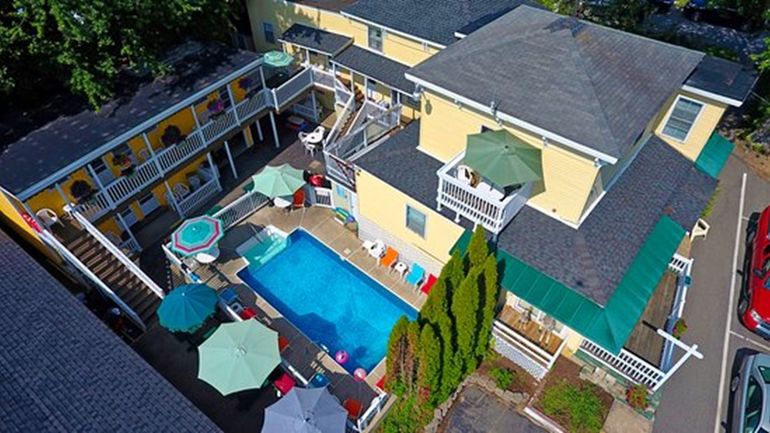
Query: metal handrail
x=346 y=112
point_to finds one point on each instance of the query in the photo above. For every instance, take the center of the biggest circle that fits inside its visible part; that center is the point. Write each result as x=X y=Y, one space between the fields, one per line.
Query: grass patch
x=503 y=377
x=577 y=407
x=710 y=204
x=406 y=416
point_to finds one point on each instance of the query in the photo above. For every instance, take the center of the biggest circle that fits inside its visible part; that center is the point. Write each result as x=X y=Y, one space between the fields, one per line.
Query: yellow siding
x=567 y=176
x=14 y=221
x=110 y=225
x=51 y=199
x=283 y=14
x=707 y=120
x=386 y=207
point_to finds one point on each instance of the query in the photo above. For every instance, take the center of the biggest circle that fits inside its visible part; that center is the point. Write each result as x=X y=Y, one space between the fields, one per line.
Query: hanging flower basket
x=245 y=83
x=82 y=191
x=125 y=163
x=171 y=135
x=680 y=327
x=216 y=107
x=638 y=397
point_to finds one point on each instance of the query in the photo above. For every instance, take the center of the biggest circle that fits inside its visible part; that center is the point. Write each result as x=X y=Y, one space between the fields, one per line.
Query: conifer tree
x=429 y=371
x=489 y=302
x=465 y=309
x=397 y=346
x=478 y=249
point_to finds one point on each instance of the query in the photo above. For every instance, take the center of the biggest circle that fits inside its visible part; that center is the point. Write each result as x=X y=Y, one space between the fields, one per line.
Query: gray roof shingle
x=376 y=66
x=723 y=77
x=432 y=20
x=593 y=85
x=593 y=258
x=68 y=138
x=63 y=370
x=316 y=39
x=397 y=162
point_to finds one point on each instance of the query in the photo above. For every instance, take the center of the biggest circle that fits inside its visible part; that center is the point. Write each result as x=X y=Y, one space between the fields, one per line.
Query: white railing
x=626 y=364
x=375 y=407
x=197 y=198
x=478 y=204
x=292 y=88
x=371 y=123
x=116 y=252
x=679 y=263
x=253 y=105
x=244 y=206
x=683 y=267
x=70 y=258
x=323 y=79
x=322 y=197
x=174 y=155
x=95 y=207
x=341 y=93
x=521 y=351
x=218 y=126
x=126 y=186
x=342 y=118
x=130 y=244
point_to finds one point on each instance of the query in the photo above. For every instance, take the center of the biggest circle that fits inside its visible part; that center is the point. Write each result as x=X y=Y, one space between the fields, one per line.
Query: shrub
x=579 y=406
x=404 y=417
x=680 y=327
x=638 y=397
x=710 y=204
x=503 y=377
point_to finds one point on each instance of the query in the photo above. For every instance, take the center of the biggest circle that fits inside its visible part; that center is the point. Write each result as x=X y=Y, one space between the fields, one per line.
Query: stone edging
x=514 y=399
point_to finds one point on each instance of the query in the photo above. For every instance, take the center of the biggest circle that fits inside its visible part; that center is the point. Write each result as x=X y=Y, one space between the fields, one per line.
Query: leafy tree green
x=84 y=44
x=429 y=370
x=763 y=59
x=489 y=302
x=465 y=309
x=625 y=15
x=478 y=249
x=397 y=348
x=409 y=368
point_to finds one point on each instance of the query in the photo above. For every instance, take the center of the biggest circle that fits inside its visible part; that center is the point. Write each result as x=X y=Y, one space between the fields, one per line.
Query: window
x=415 y=221
x=681 y=119
x=753 y=410
x=267 y=29
x=375 y=38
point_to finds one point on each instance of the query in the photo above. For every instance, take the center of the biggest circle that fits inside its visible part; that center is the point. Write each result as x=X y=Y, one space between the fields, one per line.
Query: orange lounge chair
x=354 y=408
x=390 y=258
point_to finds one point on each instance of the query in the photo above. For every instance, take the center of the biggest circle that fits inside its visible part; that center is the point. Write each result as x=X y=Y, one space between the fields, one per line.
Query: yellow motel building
x=623 y=126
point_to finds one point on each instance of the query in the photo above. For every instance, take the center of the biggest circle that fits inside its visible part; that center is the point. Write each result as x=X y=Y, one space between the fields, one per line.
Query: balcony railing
x=627 y=364
x=241 y=208
x=253 y=105
x=173 y=156
x=482 y=204
x=197 y=198
x=295 y=86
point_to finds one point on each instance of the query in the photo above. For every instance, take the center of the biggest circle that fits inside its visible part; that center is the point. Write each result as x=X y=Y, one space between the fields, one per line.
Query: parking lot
x=698 y=397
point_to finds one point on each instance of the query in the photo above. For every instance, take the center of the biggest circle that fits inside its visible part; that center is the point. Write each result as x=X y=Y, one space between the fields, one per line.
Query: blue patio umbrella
x=306 y=410
x=187 y=307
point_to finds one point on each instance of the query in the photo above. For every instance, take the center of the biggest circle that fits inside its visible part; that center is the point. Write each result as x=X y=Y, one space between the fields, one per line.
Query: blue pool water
x=328 y=299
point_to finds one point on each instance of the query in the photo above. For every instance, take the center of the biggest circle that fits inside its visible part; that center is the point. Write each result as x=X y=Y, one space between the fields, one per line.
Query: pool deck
x=304 y=355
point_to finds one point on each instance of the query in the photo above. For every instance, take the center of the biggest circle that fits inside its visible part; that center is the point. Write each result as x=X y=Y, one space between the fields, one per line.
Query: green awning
x=714 y=155
x=608 y=326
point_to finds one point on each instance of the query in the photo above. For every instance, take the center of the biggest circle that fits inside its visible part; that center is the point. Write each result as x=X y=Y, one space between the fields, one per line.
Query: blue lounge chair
x=228 y=296
x=319 y=380
x=416 y=276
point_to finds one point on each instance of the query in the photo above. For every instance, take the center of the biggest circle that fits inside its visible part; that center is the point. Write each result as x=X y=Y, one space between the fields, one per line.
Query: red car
x=755 y=305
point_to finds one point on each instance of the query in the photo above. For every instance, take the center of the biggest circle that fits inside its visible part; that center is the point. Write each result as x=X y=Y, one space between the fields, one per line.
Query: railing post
x=152 y=153
x=103 y=190
x=275 y=129
x=230 y=158
x=232 y=102
x=195 y=118
x=127 y=229
x=214 y=169
x=172 y=200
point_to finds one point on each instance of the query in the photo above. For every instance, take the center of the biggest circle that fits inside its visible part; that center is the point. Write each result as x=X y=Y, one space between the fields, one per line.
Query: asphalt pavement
x=691 y=398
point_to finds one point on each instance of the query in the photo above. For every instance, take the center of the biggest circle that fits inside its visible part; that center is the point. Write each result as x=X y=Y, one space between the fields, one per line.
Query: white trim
x=671 y=111
x=394 y=31
x=714 y=96
x=459 y=35
x=135 y=131
x=284 y=41
x=513 y=120
x=427 y=152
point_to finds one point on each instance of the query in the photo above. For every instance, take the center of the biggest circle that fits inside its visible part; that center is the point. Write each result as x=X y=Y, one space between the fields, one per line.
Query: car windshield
x=753 y=410
x=765 y=373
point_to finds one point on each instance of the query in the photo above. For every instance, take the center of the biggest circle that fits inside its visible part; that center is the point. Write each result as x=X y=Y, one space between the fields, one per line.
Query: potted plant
x=82 y=191
x=638 y=396
x=680 y=327
x=216 y=107
x=125 y=163
x=171 y=135
x=245 y=83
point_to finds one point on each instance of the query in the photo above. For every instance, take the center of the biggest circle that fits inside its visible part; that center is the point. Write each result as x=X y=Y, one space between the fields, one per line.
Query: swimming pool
x=328 y=299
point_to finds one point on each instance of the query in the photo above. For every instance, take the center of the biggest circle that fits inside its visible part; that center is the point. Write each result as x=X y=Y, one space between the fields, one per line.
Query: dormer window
x=681 y=119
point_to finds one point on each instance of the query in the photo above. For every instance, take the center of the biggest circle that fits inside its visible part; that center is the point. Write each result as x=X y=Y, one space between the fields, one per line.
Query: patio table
x=281 y=203
x=207 y=256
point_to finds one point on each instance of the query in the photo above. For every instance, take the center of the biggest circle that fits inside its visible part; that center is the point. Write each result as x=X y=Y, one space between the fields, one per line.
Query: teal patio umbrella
x=197 y=235
x=503 y=158
x=278 y=181
x=238 y=356
x=187 y=307
x=277 y=59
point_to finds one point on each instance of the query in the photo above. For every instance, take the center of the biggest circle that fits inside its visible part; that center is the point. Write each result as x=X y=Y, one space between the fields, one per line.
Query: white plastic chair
x=319 y=130
x=48 y=217
x=377 y=249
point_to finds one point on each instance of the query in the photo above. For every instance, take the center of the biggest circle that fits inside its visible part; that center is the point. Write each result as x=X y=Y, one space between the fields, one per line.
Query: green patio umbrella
x=238 y=356
x=278 y=181
x=277 y=59
x=187 y=307
x=503 y=158
x=197 y=235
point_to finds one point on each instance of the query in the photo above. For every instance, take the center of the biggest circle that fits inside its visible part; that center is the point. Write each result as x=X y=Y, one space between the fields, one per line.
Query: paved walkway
x=623 y=419
x=476 y=411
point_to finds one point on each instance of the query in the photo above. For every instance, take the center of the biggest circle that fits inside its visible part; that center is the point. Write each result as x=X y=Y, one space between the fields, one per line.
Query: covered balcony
x=491 y=180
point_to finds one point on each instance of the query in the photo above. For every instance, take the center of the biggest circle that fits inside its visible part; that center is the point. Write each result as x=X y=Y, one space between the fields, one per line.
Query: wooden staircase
x=116 y=276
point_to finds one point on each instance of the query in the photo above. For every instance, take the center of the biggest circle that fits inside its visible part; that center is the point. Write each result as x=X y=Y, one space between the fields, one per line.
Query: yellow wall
x=282 y=15
x=51 y=199
x=704 y=125
x=10 y=214
x=567 y=176
x=386 y=207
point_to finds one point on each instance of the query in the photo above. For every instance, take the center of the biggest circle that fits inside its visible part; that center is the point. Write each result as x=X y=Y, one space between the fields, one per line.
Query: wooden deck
x=532 y=331
x=644 y=340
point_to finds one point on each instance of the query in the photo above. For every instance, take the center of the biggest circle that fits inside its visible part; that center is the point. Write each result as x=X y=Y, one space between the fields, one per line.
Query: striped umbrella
x=197 y=235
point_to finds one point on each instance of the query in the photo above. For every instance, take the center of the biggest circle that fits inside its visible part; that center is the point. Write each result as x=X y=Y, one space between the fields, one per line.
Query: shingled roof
x=63 y=141
x=315 y=39
x=593 y=259
x=433 y=20
x=63 y=370
x=376 y=66
x=593 y=85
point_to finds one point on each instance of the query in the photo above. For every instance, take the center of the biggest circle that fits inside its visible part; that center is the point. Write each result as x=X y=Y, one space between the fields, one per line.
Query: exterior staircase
x=135 y=293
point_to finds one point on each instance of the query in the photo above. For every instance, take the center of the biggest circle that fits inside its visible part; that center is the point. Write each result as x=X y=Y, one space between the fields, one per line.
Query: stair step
x=148 y=304
x=148 y=313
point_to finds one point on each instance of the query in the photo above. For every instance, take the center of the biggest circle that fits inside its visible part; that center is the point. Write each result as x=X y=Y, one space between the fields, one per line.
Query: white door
x=129 y=216
x=371 y=86
x=148 y=204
